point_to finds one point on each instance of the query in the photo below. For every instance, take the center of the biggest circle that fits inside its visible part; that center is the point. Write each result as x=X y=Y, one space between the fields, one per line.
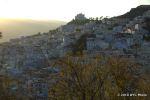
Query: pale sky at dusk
x=65 y=10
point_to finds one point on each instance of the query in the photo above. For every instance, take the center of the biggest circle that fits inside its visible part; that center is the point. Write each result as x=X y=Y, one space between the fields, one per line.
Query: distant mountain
x=13 y=28
x=134 y=12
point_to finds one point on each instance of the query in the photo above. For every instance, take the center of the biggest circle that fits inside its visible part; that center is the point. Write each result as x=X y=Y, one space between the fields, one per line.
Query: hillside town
x=29 y=60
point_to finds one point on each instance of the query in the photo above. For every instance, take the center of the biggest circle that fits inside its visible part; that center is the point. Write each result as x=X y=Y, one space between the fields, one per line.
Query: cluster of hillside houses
x=115 y=36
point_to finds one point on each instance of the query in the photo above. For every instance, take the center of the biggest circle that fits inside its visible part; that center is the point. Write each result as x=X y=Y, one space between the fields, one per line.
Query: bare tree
x=82 y=78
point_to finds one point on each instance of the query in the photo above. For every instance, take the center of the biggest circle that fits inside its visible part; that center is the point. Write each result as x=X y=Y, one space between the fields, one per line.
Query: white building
x=96 y=43
x=147 y=14
x=99 y=35
x=68 y=39
x=80 y=17
x=118 y=29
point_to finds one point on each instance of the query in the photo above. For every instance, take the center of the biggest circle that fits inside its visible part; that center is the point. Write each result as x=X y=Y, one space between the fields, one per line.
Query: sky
x=65 y=10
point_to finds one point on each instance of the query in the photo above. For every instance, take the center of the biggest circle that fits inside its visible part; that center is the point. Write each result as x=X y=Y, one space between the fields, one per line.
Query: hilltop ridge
x=134 y=12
